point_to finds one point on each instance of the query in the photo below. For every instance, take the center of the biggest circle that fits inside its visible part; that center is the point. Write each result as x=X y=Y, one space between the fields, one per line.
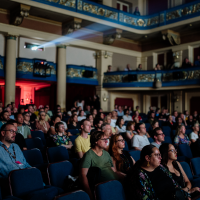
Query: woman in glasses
x=122 y=160
x=169 y=160
x=150 y=180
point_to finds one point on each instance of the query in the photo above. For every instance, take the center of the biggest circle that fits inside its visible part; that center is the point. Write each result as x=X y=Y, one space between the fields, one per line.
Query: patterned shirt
x=61 y=140
x=178 y=140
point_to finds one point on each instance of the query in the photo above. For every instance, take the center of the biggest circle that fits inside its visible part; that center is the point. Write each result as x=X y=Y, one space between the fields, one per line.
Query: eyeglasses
x=12 y=131
x=43 y=115
x=157 y=155
x=122 y=140
x=161 y=134
x=27 y=115
x=173 y=150
x=105 y=139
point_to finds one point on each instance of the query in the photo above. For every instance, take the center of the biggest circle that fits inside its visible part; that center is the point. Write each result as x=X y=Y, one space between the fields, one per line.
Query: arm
x=114 y=168
x=192 y=140
x=129 y=136
x=80 y=154
x=133 y=160
x=136 y=148
x=84 y=182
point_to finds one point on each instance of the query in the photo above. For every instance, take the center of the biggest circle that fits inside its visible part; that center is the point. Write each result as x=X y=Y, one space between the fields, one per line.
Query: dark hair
x=154 y=132
x=5 y=111
x=24 y=113
x=95 y=136
x=137 y=126
x=58 y=124
x=73 y=111
x=146 y=150
x=96 y=121
x=118 y=121
x=4 y=126
x=12 y=121
x=125 y=111
x=154 y=122
x=129 y=124
x=54 y=117
x=83 y=120
x=79 y=114
x=16 y=115
x=164 y=153
x=88 y=115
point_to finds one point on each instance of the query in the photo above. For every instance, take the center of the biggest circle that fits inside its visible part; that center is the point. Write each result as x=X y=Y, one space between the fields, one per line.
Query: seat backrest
x=135 y=155
x=196 y=165
x=166 y=128
x=167 y=132
x=188 y=131
x=33 y=157
x=73 y=131
x=168 y=140
x=79 y=194
x=147 y=125
x=150 y=140
x=187 y=170
x=174 y=132
x=111 y=190
x=72 y=138
x=57 y=154
x=38 y=143
x=30 y=144
x=58 y=172
x=126 y=146
x=25 y=181
x=185 y=150
x=38 y=134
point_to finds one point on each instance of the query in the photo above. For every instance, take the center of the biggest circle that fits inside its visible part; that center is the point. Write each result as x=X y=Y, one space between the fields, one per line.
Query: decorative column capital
x=11 y=37
x=61 y=46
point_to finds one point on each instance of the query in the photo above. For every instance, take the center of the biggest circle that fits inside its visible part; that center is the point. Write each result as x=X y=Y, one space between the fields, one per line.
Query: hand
x=196 y=189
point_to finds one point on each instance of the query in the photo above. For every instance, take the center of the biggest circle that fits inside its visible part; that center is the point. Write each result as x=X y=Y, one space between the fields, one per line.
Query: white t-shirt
x=129 y=118
x=79 y=105
x=69 y=113
x=113 y=122
x=121 y=130
x=81 y=118
x=140 y=141
x=193 y=136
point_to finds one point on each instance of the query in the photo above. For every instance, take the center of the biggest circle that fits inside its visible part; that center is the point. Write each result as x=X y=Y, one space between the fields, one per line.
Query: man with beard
x=4 y=118
x=11 y=157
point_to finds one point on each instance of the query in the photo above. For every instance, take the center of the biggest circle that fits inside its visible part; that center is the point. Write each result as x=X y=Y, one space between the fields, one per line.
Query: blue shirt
x=197 y=63
x=120 y=113
x=8 y=163
x=2 y=123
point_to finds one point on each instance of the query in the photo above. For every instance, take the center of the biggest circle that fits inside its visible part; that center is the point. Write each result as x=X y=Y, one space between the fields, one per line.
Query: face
x=122 y=122
x=88 y=107
x=196 y=127
x=99 y=124
x=91 y=122
x=60 y=114
x=75 y=119
x=180 y=120
x=142 y=129
x=94 y=112
x=120 y=142
x=120 y=108
x=108 y=120
x=47 y=106
x=15 y=125
x=113 y=114
x=191 y=117
x=79 y=108
x=175 y=114
x=61 y=128
x=27 y=117
x=30 y=109
x=82 y=113
x=46 y=110
x=109 y=67
x=107 y=130
x=9 y=134
x=172 y=153
x=57 y=120
x=183 y=129
x=170 y=118
x=86 y=127
x=102 y=116
x=186 y=60
x=15 y=110
x=132 y=127
x=13 y=105
x=182 y=116
x=137 y=113
x=195 y=113
x=127 y=112
x=102 y=143
x=90 y=117
x=42 y=116
x=186 y=113
x=160 y=136
x=152 y=115
x=155 y=158
x=156 y=125
x=9 y=110
x=22 y=110
x=6 y=116
x=20 y=119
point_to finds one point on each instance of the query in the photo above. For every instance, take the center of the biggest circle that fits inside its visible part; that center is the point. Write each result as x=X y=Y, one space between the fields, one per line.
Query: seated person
x=186 y=115
x=175 y=115
x=47 y=117
x=187 y=63
x=127 y=117
x=162 y=115
x=59 y=138
x=181 y=137
x=61 y=115
x=128 y=68
x=137 y=109
x=136 y=12
x=106 y=128
x=32 y=115
x=183 y=119
x=11 y=157
x=158 y=137
x=170 y=123
x=120 y=112
x=97 y=124
x=190 y=121
x=195 y=134
x=139 y=67
x=81 y=115
x=107 y=119
x=73 y=122
x=19 y=138
x=136 y=117
x=113 y=118
x=24 y=130
x=122 y=160
x=49 y=112
x=96 y=157
x=197 y=62
x=169 y=160
x=149 y=179
x=42 y=124
x=130 y=130
x=109 y=68
x=140 y=140
x=4 y=118
x=54 y=119
x=120 y=127
x=157 y=67
x=82 y=142
x=157 y=113
x=26 y=122
x=154 y=125
x=151 y=117
x=195 y=116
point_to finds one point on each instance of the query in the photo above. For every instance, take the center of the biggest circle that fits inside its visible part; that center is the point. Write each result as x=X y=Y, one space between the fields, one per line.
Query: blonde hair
x=179 y=129
x=106 y=118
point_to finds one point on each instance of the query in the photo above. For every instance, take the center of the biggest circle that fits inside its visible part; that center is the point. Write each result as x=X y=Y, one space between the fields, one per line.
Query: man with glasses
x=4 y=118
x=11 y=157
x=158 y=137
x=96 y=163
x=140 y=140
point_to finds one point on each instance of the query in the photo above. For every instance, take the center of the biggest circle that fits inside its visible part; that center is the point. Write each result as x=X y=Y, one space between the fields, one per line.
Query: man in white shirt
x=194 y=135
x=120 y=112
x=127 y=117
x=158 y=137
x=140 y=140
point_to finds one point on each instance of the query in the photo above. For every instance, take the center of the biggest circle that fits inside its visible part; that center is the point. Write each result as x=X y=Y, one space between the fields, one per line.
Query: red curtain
x=196 y=53
x=42 y=96
x=155 y=6
x=194 y=101
x=124 y=102
x=17 y=95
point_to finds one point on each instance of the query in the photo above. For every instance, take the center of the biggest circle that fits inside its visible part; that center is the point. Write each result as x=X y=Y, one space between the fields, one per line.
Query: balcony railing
x=100 y=11
x=175 y=77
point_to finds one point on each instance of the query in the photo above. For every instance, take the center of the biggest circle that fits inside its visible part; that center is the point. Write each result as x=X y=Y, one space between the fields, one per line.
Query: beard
x=10 y=140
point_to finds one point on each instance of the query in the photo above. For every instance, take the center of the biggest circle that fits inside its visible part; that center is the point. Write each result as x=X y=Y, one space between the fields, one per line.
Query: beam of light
x=34 y=48
x=75 y=35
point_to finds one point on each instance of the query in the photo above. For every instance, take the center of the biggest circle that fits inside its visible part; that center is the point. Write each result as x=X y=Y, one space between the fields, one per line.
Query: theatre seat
x=168 y=140
x=148 y=126
x=38 y=134
x=73 y=138
x=34 y=143
x=73 y=131
x=111 y=190
x=8 y=197
x=185 y=150
x=135 y=155
x=195 y=162
x=79 y=194
x=166 y=128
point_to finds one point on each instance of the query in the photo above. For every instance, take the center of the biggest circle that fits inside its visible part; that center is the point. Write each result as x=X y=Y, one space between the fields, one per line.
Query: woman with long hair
x=122 y=160
x=81 y=115
x=73 y=122
x=150 y=180
x=120 y=128
x=41 y=124
x=170 y=122
x=130 y=130
x=181 y=137
x=169 y=160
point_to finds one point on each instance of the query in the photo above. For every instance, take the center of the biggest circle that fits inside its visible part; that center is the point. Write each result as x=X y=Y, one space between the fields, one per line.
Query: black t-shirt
x=162 y=116
x=71 y=126
x=20 y=141
x=178 y=179
x=161 y=183
x=128 y=162
x=33 y=117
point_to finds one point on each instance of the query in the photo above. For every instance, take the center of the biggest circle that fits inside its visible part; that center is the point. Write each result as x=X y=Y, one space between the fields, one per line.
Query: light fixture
x=118 y=36
x=105 y=98
x=146 y=36
x=41 y=69
x=190 y=24
x=34 y=48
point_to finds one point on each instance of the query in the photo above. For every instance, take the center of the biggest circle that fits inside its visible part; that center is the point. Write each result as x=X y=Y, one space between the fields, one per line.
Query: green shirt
x=104 y=162
x=24 y=130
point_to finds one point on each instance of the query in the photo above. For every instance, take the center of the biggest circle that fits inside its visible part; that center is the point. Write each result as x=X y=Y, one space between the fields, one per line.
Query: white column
x=102 y=66
x=10 y=69
x=155 y=59
x=191 y=54
x=142 y=5
x=108 y=3
x=61 y=77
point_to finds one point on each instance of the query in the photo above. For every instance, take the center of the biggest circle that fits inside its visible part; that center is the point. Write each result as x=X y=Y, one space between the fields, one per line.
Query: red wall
x=124 y=102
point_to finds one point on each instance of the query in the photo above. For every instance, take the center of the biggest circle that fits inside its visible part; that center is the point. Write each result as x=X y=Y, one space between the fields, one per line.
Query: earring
x=148 y=164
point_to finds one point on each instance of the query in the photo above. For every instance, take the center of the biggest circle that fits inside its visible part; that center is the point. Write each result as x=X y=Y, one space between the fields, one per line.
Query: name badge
x=19 y=163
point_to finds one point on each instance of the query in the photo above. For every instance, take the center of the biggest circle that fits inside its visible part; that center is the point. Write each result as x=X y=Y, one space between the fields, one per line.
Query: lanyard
x=14 y=156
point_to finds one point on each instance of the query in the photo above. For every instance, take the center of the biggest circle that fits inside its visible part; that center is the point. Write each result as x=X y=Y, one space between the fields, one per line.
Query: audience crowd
x=100 y=142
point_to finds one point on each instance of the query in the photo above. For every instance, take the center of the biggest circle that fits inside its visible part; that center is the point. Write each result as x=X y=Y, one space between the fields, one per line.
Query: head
x=109 y=67
x=89 y=117
x=114 y=113
x=158 y=110
x=198 y=57
x=85 y=126
x=120 y=108
x=195 y=127
x=175 y=113
x=58 y=108
x=14 y=123
x=81 y=113
x=170 y=118
x=60 y=114
x=55 y=119
x=150 y=154
x=128 y=66
x=30 y=109
x=158 y=135
x=107 y=119
x=140 y=128
x=155 y=124
x=98 y=123
x=130 y=126
x=136 y=9
x=88 y=107
x=186 y=60
x=19 y=118
x=9 y=110
x=94 y=112
x=46 y=109
x=21 y=110
x=126 y=112
x=195 y=113
x=190 y=118
x=42 y=115
x=26 y=116
x=59 y=127
x=179 y=120
x=14 y=110
x=168 y=152
x=120 y=122
x=180 y=130
x=186 y=112
x=8 y=133
x=152 y=115
x=13 y=105
x=9 y=105
x=106 y=128
x=136 y=113
x=140 y=66
x=5 y=116
x=98 y=139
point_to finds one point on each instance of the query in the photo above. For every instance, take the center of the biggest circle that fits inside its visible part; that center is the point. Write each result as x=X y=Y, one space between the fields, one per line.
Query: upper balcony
x=162 y=79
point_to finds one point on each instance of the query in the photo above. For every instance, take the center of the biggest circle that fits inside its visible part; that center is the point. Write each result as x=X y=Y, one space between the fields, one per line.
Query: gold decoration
x=185 y=11
x=86 y=7
x=101 y=11
x=146 y=77
x=140 y=22
x=112 y=78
